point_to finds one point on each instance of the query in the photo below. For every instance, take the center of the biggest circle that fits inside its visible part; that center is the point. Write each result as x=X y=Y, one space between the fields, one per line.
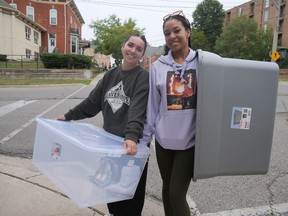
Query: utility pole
x=277 y=4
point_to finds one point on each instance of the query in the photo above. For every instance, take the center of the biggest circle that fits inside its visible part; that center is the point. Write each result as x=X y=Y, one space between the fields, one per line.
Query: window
x=53 y=17
x=30 y=12
x=279 y=41
x=28 y=32
x=228 y=17
x=267 y=3
x=28 y=53
x=282 y=12
x=13 y=5
x=251 y=8
x=266 y=15
x=240 y=10
x=74 y=44
x=36 y=56
x=36 y=37
x=280 y=28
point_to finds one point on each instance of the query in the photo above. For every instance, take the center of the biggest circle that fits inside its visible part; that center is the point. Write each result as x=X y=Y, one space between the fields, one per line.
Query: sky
x=147 y=14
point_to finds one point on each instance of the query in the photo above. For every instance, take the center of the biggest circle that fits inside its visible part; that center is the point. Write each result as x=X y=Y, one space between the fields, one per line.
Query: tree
x=200 y=41
x=209 y=17
x=242 y=39
x=110 y=34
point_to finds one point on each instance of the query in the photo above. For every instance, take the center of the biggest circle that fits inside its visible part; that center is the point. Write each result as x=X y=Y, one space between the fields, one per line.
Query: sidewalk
x=25 y=191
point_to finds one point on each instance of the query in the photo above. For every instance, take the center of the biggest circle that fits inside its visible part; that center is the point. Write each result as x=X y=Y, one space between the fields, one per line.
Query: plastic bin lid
x=89 y=137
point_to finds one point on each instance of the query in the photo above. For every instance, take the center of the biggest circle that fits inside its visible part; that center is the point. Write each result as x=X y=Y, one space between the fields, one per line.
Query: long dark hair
x=185 y=22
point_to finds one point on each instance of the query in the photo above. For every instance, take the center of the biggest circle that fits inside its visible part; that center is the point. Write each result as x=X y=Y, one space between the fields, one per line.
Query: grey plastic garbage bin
x=236 y=107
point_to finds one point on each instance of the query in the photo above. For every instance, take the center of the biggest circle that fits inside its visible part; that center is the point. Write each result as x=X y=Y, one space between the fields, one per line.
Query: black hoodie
x=122 y=97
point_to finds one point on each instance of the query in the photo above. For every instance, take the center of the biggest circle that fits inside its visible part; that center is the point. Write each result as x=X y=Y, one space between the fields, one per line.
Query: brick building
x=61 y=19
x=265 y=13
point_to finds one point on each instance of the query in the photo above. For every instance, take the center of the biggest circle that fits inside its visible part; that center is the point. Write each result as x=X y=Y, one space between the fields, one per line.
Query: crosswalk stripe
x=276 y=209
x=15 y=132
x=14 y=106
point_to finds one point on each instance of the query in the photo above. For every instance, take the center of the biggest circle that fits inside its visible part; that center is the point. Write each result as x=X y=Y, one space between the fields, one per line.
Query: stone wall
x=46 y=74
x=283 y=74
x=67 y=74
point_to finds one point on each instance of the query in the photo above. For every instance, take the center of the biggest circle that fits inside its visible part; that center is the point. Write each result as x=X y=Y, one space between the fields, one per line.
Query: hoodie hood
x=178 y=68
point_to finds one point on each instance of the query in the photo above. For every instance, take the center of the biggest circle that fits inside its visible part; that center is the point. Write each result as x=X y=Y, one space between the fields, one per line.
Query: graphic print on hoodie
x=116 y=97
x=181 y=93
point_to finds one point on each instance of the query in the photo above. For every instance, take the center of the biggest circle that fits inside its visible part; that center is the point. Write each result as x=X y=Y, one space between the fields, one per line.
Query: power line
x=123 y=6
x=130 y=4
x=155 y=7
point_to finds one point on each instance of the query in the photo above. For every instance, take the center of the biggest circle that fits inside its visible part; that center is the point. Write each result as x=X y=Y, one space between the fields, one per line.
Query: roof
x=4 y=4
x=20 y=15
x=150 y=51
x=76 y=11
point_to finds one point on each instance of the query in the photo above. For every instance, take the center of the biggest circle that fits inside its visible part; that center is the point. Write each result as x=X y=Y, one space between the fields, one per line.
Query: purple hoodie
x=171 y=109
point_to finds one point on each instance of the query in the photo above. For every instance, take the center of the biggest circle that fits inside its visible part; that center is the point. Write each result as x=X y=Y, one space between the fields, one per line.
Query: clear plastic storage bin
x=86 y=163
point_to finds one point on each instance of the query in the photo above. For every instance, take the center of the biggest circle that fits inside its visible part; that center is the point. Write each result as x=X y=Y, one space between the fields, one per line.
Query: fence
x=20 y=61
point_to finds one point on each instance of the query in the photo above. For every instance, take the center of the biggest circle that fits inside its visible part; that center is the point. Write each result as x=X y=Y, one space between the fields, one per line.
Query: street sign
x=275 y=56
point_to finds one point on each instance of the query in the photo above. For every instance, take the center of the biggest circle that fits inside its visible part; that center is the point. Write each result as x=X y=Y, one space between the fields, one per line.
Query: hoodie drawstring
x=182 y=71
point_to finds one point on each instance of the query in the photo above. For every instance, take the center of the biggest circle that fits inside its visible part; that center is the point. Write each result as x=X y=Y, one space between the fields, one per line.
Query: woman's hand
x=61 y=118
x=130 y=146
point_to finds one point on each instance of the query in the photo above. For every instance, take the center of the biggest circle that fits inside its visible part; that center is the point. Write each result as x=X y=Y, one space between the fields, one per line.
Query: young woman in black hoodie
x=122 y=97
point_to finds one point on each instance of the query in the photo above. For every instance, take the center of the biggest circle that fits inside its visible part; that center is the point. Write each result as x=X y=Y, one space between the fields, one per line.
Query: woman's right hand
x=61 y=118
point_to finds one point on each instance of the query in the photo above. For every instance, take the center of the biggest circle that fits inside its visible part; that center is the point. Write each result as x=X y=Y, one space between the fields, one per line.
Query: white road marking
x=277 y=209
x=14 y=106
x=15 y=132
x=192 y=206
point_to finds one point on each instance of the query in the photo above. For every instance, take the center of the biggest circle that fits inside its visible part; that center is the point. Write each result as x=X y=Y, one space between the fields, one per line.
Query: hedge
x=68 y=61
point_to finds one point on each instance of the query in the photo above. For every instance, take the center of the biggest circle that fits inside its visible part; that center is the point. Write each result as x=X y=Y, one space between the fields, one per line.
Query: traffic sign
x=275 y=56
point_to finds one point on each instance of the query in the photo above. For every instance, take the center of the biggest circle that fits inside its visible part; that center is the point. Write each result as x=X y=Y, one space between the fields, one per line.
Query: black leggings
x=134 y=206
x=176 y=169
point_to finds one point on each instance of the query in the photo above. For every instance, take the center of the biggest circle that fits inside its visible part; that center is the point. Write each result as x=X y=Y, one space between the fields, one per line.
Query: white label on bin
x=56 y=151
x=241 y=118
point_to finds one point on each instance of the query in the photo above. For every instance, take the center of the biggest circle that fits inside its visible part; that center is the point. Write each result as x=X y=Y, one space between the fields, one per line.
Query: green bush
x=3 y=58
x=67 y=61
x=283 y=63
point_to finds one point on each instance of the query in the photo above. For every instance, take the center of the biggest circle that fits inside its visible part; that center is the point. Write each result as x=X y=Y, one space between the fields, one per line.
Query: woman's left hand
x=130 y=146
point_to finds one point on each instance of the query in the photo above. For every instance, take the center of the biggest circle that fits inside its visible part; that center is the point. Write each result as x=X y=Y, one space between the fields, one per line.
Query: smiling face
x=133 y=50
x=176 y=36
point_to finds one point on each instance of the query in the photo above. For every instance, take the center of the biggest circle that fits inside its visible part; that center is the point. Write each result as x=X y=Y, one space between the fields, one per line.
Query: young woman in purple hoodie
x=171 y=113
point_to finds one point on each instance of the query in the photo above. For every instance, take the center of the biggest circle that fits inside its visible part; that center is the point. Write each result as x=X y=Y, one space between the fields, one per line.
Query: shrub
x=3 y=57
x=67 y=61
x=283 y=63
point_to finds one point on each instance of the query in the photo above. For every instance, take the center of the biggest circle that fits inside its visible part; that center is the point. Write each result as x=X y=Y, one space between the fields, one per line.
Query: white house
x=19 y=36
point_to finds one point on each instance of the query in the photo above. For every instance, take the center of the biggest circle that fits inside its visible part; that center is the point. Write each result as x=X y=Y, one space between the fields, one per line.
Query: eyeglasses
x=176 y=13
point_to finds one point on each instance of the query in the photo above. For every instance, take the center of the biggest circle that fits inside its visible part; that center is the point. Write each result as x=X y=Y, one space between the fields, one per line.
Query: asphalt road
x=19 y=106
